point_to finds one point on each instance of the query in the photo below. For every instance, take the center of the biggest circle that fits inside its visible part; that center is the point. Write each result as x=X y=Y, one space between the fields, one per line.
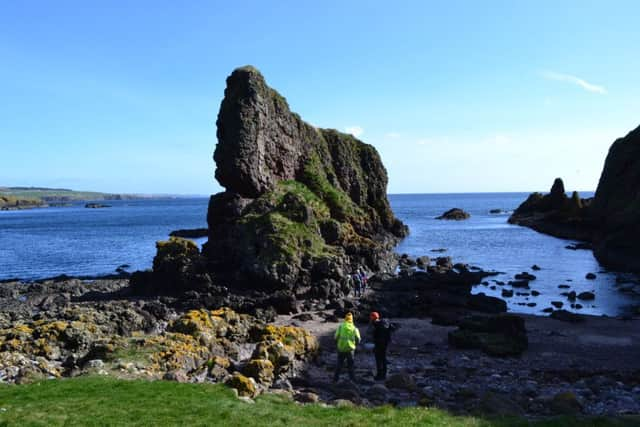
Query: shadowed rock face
x=611 y=220
x=301 y=205
x=556 y=214
x=616 y=206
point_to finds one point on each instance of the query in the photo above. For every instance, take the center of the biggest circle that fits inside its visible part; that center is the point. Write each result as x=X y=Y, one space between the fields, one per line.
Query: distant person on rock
x=347 y=337
x=357 y=284
x=363 y=280
x=382 y=330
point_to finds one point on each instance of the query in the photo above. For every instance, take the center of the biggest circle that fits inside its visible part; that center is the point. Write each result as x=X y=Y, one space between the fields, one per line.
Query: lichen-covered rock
x=178 y=267
x=261 y=370
x=296 y=196
x=245 y=386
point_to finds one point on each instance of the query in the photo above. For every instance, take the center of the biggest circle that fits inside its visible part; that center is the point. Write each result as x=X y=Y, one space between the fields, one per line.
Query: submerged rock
x=301 y=205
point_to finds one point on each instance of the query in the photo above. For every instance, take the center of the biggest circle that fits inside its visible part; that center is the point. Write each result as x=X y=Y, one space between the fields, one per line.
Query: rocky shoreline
x=74 y=327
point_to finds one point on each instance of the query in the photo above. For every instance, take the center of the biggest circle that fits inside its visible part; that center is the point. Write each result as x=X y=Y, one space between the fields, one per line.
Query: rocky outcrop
x=178 y=267
x=454 y=214
x=556 y=214
x=616 y=206
x=301 y=205
x=610 y=221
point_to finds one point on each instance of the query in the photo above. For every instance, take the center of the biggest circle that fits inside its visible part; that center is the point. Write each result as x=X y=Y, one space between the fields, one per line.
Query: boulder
x=525 y=276
x=487 y=304
x=261 y=370
x=586 y=296
x=502 y=335
x=567 y=316
x=178 y=267
x=245 y=386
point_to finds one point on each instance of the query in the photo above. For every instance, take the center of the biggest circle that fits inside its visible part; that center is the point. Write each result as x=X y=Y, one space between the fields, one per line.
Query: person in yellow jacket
x=347 y=338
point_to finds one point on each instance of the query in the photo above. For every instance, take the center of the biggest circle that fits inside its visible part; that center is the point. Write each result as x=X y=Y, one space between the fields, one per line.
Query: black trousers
x=381 y=361
x=342 y=356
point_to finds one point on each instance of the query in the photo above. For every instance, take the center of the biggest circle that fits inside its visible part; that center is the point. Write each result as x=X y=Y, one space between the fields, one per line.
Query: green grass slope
x=92 y=401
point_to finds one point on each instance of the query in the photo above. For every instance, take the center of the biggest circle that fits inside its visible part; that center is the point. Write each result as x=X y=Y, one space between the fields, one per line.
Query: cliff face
x=301 y=205
x=616 y=206
x=611 y=220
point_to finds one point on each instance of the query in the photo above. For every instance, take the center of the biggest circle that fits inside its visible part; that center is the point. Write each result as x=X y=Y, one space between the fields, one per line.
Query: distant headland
x=17 y=198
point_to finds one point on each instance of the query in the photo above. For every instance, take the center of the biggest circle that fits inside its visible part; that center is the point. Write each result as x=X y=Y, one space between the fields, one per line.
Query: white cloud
x=568 y=78
x=354 y=130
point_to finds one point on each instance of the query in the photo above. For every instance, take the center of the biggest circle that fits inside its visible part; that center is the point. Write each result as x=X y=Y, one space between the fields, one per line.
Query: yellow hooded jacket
x=347 y=336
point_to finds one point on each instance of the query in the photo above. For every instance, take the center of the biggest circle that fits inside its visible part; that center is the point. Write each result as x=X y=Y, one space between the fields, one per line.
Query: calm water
x=489 y=242
x=43 y=243
x=74 y=240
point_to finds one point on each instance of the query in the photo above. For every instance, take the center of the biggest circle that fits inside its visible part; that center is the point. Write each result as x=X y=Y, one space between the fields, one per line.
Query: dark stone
x=178 y=268
x=535 y=267
x=454 y=214
x=586 y=296
x=487 y=304
x=525 y=276
x=192 y=233
x=501 y=335
x=557 y=304
x=507 y=293
x=567 y=316
x=519 y=284
x=590 y=276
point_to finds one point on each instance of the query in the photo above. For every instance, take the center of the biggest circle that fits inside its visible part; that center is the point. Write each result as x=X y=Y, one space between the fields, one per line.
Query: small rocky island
x=455 y=214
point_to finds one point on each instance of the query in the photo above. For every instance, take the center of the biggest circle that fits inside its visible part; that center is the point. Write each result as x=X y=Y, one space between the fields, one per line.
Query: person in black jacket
x=381 y=336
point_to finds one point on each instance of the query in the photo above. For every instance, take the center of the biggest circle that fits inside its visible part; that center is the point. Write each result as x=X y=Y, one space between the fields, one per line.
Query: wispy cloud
x=354 y=130
x=568 y=78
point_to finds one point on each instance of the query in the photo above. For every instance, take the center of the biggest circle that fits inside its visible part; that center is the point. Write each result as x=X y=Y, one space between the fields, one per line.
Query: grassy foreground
x=91 y=401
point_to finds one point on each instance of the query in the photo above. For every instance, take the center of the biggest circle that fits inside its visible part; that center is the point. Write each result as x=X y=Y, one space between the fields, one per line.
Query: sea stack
x=302 y=206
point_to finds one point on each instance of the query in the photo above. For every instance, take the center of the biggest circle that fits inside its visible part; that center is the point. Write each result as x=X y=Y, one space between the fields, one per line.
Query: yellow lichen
x=242 y=384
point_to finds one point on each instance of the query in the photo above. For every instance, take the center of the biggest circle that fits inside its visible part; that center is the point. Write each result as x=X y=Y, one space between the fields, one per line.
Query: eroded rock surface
x=302 y=206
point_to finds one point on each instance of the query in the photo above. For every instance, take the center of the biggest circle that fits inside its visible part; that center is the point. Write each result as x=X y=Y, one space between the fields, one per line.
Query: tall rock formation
x=611 y=220
x=302 y=206
x=616 y=207
x=556 y=214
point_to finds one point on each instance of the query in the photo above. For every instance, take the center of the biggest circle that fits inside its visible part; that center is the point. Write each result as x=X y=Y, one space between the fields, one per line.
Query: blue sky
x=458 y=96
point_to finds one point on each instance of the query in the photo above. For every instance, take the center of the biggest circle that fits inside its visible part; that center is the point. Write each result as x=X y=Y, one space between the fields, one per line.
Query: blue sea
x=42 y=243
